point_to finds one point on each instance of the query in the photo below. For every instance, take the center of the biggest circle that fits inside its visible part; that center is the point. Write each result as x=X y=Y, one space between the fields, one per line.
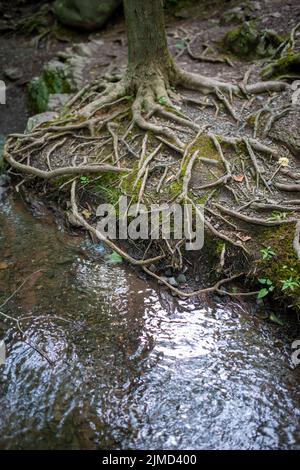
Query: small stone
x=40 y=119
x=276 y=14
x=152 y=268
x=13 y=73
x=181 y=278
x=172 y=281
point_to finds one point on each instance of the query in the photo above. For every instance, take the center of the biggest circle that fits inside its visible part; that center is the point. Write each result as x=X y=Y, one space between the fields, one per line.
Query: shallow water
x=133 y=367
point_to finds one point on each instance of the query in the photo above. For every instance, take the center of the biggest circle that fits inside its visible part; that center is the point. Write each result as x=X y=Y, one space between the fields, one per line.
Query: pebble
x=13 y=73
x=181 y=278
x=172 y=281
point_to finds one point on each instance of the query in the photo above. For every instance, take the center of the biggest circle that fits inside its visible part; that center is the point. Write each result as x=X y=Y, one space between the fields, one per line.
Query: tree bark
x=147 y=42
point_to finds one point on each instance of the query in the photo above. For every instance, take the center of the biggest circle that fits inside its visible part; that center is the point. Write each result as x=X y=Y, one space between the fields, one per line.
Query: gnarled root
x=154 y=111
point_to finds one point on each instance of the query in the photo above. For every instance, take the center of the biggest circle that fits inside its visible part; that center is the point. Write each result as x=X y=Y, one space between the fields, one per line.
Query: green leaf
x=162 y=100
x=114 y=258
x=262 y=293
x=180 y=45
x=275 y=319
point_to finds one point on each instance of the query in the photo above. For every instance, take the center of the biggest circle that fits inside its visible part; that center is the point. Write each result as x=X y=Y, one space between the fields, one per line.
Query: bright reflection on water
x=134 y=368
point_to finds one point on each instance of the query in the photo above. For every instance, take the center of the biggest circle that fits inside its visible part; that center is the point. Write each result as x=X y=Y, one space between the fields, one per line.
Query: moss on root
x=284 y=265
x=289 y=64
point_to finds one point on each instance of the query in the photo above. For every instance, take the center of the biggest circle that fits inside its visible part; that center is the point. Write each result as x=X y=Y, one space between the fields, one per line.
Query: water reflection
x=133 y=367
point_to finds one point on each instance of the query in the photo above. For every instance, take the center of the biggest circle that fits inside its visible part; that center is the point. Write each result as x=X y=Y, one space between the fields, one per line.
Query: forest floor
x=236 y=155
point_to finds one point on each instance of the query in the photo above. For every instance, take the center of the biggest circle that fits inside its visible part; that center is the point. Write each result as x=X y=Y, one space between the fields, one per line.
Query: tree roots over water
x=143 y=138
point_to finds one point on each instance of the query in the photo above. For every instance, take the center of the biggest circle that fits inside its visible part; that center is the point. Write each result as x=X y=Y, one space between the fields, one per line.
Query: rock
x=172 y=281
x=241 y=13
x=13 y=73
x=269 y=41
x=54 y=80
x=245 y=41
x=276 y=14
x=40 y=119
x=287 y=131
x=234 y=15
x=57 y=101
x=181 y=278
x=242 y=40
x=85 y=14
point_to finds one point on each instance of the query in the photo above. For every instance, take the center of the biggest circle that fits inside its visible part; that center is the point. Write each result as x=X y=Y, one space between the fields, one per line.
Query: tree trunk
x=147 y=42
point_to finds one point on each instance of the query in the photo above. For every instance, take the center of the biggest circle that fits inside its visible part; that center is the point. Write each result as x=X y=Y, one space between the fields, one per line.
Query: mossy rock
x=287 y=65
x=52 y=81
x=269 y=41
x=86 y=15
x=244 y=41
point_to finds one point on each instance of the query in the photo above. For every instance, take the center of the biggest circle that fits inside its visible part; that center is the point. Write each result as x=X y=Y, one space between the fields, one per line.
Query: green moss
x=206 y=148
x=285 y=265
x=245 y=41
x=175 y=188
x=242 y=40
x=53 y=80
x=289 y=64
x=107 y=186
x=38 y=95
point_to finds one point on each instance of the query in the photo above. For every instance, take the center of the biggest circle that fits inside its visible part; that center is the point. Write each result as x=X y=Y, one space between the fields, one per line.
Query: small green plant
x=268 y=287
x=267 y=253
x=84 y=180
x=181 y=44
x=290 y=284
x=162 y=100
x=277 y=216
x=114 y=258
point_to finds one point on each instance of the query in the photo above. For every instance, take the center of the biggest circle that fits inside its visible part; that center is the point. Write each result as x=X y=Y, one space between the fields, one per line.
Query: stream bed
x=131 y=366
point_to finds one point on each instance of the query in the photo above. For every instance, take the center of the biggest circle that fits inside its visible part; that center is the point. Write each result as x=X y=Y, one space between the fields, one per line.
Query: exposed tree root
x=62 y=171
x=253 y=220
x=103 y=238
x=156 y=114
x=216 y=288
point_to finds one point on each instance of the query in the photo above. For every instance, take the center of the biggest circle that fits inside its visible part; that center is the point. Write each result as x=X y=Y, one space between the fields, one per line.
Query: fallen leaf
x=87 y=214
x=275 y=319
x=3 y=265
x=239 y=178
x=244 y=238
x=114 y=258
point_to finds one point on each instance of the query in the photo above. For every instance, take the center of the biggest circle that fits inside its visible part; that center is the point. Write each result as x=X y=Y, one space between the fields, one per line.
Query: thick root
x=153 y=111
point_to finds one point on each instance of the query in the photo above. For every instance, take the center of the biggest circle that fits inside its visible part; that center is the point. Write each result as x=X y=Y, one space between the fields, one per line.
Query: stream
x=131 y=366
